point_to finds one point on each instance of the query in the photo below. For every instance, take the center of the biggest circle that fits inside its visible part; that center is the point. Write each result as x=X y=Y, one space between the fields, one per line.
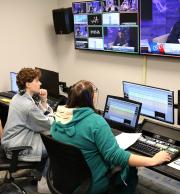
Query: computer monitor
x=122 y=114
x=14 y=87
x=157 y=103
x=50 y=81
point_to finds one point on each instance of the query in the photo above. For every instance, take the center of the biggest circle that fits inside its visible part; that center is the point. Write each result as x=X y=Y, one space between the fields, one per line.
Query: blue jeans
x=42 y=167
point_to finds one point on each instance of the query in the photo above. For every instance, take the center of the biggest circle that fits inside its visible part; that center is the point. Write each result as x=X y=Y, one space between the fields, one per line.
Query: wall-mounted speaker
x=63 y=20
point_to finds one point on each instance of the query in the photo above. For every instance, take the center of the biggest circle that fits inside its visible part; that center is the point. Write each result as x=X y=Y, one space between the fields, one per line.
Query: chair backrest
x=1 y=130
x=68 y=166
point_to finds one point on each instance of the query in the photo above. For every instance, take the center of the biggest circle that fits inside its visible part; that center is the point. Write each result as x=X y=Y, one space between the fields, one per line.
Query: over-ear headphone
x=21 y=92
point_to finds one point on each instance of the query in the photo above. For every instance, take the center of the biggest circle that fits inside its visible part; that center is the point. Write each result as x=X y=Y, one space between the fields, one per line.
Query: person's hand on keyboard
x=161 y=157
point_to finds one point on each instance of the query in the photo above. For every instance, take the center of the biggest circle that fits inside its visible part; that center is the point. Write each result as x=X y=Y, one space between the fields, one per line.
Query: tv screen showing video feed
x=107 y=25
x=160 y=27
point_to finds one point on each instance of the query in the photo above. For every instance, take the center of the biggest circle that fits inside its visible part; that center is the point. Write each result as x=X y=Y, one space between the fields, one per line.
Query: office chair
x=12 y=165
x=68 y=171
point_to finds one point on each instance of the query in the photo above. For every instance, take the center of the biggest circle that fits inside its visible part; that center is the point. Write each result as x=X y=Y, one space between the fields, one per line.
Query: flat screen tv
x=107 y=25
x=160 y=27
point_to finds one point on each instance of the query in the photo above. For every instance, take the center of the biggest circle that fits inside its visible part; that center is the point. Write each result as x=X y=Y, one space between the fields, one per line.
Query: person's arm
x=40 y=118
x=43 y=105
x=37 y=121
x=157 y=159
x=108 y=146
x=112 y=153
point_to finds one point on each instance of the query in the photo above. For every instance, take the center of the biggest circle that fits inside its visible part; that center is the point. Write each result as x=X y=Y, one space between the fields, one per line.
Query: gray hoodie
x=25 y=122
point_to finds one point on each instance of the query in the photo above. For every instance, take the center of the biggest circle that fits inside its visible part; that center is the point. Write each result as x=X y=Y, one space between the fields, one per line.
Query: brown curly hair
x=26 y=75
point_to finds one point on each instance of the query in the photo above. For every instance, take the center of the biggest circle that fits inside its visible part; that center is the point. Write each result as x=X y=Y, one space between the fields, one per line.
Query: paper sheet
x=175 y=164
x=7 y=100
x=125 y=140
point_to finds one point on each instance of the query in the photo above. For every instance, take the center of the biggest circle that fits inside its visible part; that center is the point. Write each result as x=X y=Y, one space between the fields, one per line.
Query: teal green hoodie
x=88 y=131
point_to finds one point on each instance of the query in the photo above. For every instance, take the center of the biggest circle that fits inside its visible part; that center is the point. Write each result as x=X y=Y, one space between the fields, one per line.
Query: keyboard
x=7 y=94
x=150 y=146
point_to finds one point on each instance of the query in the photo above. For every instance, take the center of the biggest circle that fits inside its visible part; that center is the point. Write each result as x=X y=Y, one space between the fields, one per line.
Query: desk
x=4 y=107
x=162 y=169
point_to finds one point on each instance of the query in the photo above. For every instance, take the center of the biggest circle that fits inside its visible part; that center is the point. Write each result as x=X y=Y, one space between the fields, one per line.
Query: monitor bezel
x=121 y=126
x=157 y=89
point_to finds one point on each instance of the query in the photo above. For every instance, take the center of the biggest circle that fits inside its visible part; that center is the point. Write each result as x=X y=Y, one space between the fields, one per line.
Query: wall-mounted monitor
x=107 y=25
x=160 y=27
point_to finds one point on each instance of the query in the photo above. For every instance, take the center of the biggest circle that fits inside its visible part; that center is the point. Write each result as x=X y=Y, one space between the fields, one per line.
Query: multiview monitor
x=108 y=25
x=157 y=103
x=122 y=114
x=160 y=27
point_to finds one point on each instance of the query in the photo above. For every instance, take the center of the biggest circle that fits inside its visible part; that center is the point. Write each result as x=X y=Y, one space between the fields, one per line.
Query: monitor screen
x=156 y=103
x=120 y=112
x=14 y=87
x=160 y=27
x=107 y=25
x=50 y=81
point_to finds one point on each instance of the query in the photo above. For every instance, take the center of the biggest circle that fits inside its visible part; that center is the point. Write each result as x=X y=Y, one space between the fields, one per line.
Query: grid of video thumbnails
x=109 y=25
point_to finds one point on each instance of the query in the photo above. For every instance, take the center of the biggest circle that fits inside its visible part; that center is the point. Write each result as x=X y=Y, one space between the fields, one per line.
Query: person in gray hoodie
x=28 y=118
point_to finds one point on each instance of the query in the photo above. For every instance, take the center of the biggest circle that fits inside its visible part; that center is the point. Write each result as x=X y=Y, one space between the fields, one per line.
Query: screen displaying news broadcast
x=107 y=25
x=160 y=27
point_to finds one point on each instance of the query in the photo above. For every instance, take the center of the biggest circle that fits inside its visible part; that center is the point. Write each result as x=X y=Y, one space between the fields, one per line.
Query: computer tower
x=63 y=20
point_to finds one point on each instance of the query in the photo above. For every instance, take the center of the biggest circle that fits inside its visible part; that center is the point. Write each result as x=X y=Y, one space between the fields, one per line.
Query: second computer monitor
x=122 y=114
x=157 y=103
x=14 y=87
x=50 y=81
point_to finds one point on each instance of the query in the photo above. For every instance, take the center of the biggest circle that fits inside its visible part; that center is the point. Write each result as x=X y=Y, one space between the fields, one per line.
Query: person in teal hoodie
x=78 y=124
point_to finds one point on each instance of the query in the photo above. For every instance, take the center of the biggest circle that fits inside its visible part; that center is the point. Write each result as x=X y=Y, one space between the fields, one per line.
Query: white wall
x=107 y=70
x=27 y=37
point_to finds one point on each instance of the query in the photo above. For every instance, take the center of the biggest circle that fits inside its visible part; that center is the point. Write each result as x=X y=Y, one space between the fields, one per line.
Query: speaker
x=63 y=20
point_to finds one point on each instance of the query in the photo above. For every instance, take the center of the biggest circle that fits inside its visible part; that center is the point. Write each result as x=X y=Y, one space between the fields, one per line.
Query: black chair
x=12 y=165
x=68 y=171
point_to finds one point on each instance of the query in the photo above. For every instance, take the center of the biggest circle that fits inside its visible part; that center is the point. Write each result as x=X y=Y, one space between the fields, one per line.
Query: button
x=151 y=142
x=172 y=150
